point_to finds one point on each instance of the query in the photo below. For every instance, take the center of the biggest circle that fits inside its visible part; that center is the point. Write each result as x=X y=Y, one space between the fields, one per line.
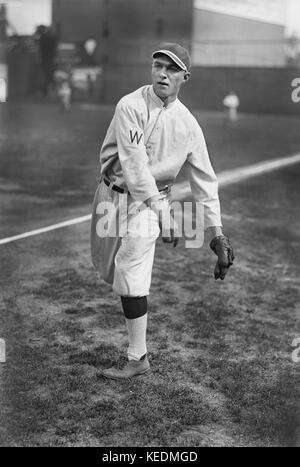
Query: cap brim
x=172 y=56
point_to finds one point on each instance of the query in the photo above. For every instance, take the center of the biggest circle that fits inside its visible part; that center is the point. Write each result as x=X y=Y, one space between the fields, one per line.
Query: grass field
x=222 y=372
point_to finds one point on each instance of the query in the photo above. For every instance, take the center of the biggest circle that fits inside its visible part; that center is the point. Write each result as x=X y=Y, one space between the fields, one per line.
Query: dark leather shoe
x=132 y=368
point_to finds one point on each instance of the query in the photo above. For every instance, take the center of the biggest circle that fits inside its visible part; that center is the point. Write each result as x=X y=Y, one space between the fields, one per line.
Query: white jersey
x=147 y=144
x=231 y=101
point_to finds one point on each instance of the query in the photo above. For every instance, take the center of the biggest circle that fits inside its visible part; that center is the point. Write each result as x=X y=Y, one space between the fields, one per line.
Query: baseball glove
x=222 y=247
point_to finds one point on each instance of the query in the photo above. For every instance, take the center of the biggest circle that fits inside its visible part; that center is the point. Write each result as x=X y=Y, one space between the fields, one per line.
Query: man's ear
x=186 y=76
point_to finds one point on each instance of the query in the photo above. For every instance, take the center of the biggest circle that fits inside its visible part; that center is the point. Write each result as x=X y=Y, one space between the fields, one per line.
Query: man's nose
x=163 y=72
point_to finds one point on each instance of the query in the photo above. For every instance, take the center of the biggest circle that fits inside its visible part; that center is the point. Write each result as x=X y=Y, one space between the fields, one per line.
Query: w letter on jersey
x=135 y=136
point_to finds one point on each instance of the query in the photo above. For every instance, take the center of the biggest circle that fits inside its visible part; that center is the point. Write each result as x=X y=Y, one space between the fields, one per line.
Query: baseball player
x=232 y=102
x=152 y=134
x=65 y=93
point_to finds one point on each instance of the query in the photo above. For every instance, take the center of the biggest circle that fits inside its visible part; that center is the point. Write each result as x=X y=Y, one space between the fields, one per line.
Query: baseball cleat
x=131 y=369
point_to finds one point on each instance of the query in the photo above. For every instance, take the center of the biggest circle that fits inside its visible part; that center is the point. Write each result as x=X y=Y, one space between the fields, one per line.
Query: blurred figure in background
x=64 y=85
x=2 y=90
x=90 y=84
x=232 y=102
x=47 y=44
x=65 y=94
x=90 y=47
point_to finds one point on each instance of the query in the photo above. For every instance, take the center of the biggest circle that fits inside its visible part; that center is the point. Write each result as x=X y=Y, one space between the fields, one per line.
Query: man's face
x=167 y=78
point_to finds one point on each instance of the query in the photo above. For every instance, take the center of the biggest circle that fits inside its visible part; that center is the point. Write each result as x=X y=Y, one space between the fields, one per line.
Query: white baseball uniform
x=144 y=149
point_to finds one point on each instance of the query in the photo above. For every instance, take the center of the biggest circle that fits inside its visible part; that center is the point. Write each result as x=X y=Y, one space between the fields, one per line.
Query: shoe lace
x=121 y=362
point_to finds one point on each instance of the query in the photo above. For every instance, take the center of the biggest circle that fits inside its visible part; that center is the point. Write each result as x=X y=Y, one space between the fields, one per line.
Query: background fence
x=261 y=90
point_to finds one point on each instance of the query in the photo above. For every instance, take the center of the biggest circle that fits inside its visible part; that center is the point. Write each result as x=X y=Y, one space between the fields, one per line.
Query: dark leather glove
x=222 y=247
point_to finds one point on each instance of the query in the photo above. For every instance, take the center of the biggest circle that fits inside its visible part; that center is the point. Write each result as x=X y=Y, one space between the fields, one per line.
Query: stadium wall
x=261 y=90
x=123 y=28
x=2 y=34
x=225 y=40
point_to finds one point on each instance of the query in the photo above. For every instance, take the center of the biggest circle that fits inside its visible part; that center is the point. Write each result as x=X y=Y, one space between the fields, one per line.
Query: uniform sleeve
x=202 y=178
x=132 y=153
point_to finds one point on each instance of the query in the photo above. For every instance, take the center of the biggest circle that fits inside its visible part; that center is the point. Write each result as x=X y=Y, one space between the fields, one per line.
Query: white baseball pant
x=124 y=255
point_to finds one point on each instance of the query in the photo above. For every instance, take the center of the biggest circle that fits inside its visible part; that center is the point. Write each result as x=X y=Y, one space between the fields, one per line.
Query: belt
x=113 y=187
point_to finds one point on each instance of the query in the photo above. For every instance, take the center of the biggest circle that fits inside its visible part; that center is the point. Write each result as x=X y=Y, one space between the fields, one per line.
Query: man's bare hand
x=167 y=224
x=166 y=221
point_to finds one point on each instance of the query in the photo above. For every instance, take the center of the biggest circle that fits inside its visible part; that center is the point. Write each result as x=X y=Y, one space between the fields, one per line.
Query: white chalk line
x=229 y=177
x=180 y=191
x=60 y=225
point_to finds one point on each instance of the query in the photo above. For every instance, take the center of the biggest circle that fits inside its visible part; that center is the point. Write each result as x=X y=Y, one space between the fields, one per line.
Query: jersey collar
x=159 y=102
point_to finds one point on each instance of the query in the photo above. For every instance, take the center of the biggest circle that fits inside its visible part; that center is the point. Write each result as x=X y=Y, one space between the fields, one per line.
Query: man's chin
x=162 y=92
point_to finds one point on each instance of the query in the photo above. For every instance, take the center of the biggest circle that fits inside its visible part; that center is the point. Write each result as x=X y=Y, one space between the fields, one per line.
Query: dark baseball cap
x=177 y=53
